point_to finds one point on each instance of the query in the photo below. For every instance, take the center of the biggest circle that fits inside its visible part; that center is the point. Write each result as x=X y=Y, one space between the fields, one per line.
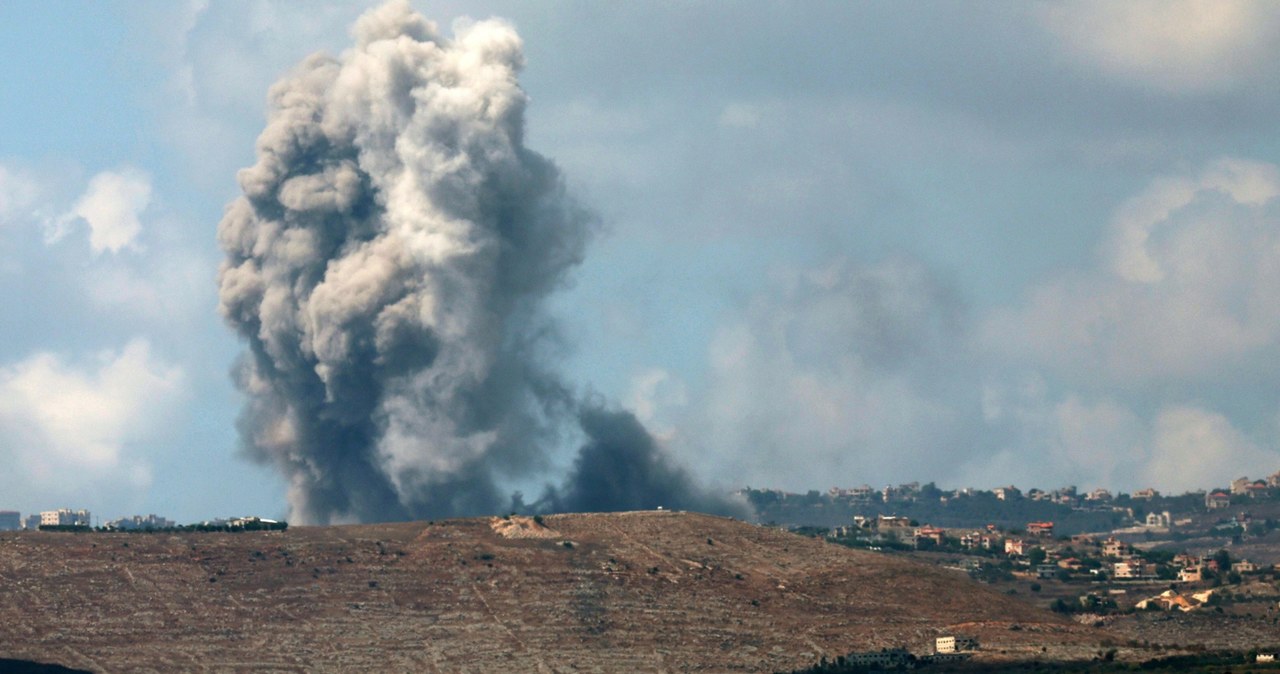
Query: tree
x=1036 y=556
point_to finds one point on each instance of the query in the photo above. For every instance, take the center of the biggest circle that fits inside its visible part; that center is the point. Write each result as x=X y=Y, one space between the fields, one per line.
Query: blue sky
x=840 y=243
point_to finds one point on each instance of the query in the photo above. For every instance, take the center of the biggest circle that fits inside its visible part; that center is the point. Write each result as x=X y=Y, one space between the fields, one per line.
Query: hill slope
x=642 y=591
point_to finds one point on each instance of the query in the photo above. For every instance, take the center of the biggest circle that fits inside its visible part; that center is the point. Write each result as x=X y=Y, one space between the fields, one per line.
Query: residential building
x=32 y=522
x=139 y=522
x=931 y=534
x=1133 y=569
x=1065 y=495
x=1162 y=519
x=1146 y=494
x=1046 y=570
x=1240 y=485
x=1015 y=546
x=1216 y=500
x=1191 y=574
x=863 y=493
x=10 y=520
x=1098 y=494
x=1244 y=566
x=1007 y=493
x=1114 y=548
x=976 y=539
x=1041 y=529
x=1167 y=601
x=892 y=522
x=955 y=644
x=1273 y=480
x=65 y=517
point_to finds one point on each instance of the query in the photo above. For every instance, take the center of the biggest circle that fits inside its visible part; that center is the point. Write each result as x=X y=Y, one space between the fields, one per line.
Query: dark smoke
x=387 y=266
x=621 y=467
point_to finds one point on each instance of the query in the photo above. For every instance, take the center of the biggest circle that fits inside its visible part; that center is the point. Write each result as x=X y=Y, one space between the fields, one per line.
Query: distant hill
x=625 y=592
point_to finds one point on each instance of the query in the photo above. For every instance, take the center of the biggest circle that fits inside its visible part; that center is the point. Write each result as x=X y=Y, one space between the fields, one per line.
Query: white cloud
x=65 y=426
x=1180 y=46
x=18 y=194
x=1189 y=287
x=110 y=206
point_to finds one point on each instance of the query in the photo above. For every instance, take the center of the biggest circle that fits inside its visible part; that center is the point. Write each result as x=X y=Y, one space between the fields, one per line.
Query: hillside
x=641 y=591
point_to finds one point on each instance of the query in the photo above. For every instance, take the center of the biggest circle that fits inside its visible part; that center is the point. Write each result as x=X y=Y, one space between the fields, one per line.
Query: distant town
x=1092 y=554
x=66 y=519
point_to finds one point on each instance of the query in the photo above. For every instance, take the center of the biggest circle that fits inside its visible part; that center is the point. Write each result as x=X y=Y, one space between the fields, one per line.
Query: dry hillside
x=627 y=592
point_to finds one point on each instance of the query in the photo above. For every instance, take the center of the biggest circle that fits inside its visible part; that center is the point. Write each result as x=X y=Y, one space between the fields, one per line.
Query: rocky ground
x=627 y=592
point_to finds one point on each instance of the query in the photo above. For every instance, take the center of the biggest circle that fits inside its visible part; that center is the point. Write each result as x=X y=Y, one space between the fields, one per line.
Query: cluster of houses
x=141 y=523
x=913 y=491
x=1243 y=486
x=1082 y=554
x=1070 y=496
x=12 y=520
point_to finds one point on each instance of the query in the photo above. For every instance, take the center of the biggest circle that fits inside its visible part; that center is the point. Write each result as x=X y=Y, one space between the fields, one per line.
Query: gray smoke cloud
x=621 y=467
x=387 y=265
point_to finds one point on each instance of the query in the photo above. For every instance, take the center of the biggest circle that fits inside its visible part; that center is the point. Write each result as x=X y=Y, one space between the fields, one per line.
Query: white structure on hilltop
x=64 y=517
x=139 y=522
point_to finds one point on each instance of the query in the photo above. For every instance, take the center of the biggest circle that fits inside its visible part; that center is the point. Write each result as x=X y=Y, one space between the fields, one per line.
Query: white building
x=65 y=517
x=141 y=523
x=955 y=644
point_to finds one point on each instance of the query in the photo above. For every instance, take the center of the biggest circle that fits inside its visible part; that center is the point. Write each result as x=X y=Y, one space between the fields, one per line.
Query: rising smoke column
x=387 y=264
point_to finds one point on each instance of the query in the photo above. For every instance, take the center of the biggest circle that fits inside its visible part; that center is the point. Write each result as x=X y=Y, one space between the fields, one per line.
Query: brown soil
x=626 y=592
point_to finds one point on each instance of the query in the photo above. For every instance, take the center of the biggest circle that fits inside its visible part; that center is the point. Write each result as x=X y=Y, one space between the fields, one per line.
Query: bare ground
x=625 y=592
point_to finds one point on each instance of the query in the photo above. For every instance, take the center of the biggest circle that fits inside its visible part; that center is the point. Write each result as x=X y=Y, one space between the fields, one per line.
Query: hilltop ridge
x=637 y=591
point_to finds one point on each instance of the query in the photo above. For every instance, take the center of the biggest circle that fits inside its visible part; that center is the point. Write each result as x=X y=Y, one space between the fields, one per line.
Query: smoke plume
x=387 y=266
x=622 y=468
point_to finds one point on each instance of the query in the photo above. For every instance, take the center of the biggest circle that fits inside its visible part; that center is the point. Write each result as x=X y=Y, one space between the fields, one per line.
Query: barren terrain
x=627 y=592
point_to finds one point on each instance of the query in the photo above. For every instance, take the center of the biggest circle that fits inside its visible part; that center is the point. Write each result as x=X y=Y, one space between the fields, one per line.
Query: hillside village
x=1216 y=550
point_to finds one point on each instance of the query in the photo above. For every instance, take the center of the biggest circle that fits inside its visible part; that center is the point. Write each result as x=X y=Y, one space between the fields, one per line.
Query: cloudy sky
x=838 y=243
